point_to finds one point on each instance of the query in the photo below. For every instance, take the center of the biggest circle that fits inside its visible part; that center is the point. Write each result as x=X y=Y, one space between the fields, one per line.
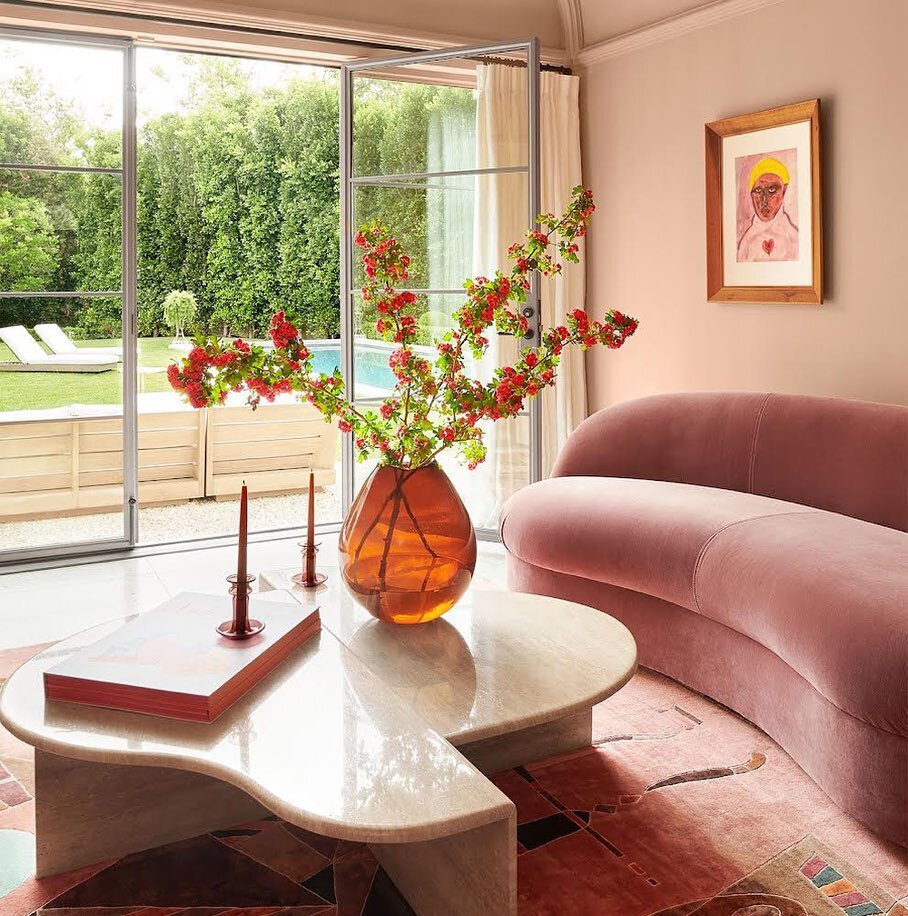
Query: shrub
x=100 y=319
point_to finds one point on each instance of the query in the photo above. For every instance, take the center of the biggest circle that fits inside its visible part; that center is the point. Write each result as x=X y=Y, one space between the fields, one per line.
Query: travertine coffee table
x=371 y=732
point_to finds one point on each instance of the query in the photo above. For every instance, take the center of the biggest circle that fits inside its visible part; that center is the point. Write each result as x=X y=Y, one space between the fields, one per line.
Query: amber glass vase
x=407 y=548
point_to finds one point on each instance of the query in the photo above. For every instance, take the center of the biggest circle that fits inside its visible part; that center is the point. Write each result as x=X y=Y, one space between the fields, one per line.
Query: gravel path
x=193 y=519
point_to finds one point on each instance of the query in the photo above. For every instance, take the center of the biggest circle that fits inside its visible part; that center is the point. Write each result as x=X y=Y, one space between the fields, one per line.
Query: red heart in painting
x=768 y=245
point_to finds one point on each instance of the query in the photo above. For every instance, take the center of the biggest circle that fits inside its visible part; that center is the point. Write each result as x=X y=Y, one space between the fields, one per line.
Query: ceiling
x=564 y=27
x=605 y=19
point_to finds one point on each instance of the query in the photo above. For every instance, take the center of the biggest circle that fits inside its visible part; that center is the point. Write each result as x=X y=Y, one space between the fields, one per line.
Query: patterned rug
x=680 y=808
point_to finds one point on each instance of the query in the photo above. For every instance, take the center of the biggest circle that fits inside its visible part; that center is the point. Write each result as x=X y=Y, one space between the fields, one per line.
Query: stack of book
x=171 y=662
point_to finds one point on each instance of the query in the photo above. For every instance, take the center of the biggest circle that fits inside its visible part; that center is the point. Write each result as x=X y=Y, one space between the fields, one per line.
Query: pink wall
x=643 y=117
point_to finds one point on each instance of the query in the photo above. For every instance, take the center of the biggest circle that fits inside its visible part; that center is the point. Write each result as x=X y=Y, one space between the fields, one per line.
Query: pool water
x=370 y=366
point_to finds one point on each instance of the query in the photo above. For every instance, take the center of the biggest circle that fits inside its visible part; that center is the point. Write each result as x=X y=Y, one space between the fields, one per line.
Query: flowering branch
x=433 y=406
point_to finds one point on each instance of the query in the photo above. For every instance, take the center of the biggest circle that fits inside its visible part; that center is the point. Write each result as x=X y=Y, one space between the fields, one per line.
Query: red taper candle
x=241 y=545
x=310 y=531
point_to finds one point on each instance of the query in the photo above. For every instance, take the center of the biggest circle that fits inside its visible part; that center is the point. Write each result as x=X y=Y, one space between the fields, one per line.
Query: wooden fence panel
x=72 y=465
x=271 y=448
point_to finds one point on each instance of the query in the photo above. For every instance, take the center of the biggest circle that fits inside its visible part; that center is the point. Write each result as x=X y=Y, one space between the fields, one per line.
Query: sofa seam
x=726 y=527
x=758 y=422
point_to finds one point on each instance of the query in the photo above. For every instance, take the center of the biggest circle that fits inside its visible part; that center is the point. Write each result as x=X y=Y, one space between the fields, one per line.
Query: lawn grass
x=38 y=390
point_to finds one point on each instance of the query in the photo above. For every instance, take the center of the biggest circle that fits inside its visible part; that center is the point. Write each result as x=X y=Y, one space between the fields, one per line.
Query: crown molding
x=305 y=25
x=572 y=22
x=700 y=18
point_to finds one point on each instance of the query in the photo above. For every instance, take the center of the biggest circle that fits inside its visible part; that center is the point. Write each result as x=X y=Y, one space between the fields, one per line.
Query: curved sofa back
x=845 y=456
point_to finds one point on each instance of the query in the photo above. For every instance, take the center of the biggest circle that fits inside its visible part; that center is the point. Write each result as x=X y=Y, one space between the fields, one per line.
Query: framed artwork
x=764 y=221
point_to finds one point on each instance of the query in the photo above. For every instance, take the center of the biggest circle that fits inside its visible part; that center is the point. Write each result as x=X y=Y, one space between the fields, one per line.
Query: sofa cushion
x=646 y=535
x=829 y=595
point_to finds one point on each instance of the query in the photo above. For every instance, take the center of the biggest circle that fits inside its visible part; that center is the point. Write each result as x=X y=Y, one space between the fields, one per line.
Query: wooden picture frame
x=762 y=174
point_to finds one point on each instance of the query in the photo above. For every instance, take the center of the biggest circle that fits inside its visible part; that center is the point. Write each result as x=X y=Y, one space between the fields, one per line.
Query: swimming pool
x=370 y=365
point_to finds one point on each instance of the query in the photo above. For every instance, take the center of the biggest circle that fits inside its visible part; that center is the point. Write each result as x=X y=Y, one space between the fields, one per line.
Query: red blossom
x=281 y=331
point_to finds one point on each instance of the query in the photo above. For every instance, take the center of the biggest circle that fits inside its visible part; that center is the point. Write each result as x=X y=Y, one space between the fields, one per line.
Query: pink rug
x=680 y=808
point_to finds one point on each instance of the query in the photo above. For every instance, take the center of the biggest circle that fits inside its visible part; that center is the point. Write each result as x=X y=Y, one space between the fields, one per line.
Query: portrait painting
x=764 y=229
x=766 y=208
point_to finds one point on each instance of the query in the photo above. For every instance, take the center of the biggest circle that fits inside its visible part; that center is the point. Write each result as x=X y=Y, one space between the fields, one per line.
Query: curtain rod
x=507 y=62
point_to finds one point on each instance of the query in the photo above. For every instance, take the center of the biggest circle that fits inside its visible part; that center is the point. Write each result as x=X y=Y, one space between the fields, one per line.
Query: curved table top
x=495 y=663
x=348 y=736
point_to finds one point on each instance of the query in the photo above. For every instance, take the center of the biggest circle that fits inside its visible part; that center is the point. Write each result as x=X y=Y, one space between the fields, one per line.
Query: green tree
x=239 y=202
x=28 y=242
x=172 y=238
x=94 y=203
x=238 y=195
x=38 y=126
x=308 y=274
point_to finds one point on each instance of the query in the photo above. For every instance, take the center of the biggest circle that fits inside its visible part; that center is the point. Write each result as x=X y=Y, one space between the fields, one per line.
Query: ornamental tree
x=180 y=309
x=434 y=405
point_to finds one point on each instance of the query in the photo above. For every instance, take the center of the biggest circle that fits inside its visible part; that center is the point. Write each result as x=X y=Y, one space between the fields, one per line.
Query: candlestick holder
x=241 y=626
x=309 y=578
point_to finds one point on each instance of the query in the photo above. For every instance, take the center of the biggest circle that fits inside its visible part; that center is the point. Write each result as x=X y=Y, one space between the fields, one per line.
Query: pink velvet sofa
x=755 y=546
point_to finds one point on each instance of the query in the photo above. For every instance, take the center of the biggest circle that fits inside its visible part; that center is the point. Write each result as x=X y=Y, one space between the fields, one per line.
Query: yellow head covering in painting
x=767 y=167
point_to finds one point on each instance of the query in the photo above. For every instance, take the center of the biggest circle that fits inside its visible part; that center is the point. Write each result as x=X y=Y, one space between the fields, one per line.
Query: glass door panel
x=454 y=173
x=66 y=475
x=263 y=240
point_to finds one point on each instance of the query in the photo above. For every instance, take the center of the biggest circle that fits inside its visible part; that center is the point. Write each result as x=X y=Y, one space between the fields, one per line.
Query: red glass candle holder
x=309 y=578
x=241 y=625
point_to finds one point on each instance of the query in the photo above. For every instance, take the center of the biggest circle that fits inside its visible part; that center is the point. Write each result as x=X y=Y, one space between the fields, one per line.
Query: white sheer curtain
x=564 y=406
x=500 y=219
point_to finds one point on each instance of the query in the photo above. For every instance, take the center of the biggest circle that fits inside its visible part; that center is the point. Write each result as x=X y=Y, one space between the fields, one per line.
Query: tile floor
x=46 y=605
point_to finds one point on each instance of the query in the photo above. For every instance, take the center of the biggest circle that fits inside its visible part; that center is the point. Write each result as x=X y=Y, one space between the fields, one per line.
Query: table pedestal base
x=468 y=874
x=538 y=742
x=86 y=813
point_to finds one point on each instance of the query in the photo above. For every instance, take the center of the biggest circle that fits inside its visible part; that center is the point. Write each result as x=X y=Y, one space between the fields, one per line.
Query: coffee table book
x=170 y=661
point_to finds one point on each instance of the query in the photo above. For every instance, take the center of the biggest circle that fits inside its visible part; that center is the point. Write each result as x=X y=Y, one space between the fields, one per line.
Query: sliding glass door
x=67 y=236
x=455 y=173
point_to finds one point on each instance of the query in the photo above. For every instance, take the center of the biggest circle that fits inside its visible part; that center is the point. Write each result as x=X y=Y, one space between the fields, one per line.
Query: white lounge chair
x=61 y=343
x=33 y=359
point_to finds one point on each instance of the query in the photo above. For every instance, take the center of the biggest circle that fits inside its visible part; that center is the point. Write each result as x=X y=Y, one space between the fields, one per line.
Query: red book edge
x=174 y=704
